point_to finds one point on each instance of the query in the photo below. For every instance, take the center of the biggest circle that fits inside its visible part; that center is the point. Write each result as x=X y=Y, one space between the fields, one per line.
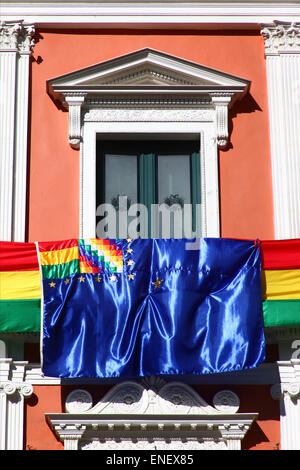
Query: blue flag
x=133 y=308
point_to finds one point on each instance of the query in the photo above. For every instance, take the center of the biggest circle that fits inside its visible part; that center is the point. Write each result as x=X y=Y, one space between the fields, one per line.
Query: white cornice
x=89 y=13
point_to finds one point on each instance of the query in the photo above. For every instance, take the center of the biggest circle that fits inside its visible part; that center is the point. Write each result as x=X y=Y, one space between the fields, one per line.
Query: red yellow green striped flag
x=20 y=288
x=281 y=282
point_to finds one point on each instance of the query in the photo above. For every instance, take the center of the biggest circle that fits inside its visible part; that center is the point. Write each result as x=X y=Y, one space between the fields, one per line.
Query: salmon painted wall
x=245 y=171
x=264 y=433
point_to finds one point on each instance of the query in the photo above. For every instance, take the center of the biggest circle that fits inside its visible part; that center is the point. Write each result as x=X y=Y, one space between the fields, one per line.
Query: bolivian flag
x=59 y=259
x=281 y=282
x=20 y=288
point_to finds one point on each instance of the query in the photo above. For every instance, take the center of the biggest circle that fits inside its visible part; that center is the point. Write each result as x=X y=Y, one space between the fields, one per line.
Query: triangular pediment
x=146 y=68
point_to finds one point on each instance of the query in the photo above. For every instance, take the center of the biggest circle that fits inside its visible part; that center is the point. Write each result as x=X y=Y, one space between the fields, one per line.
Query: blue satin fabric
x=206 y=316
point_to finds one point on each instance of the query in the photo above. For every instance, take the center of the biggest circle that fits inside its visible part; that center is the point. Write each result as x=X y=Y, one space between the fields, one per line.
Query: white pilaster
x=288 y=391
x=282 y=51
x=13 y=391
x=15 y=49
x=4 y=376
x=21 y=130
x=8 y=66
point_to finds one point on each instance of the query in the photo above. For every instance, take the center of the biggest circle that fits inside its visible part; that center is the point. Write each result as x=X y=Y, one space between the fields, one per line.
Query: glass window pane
x=174 y=188
x=120 y=191
x=120 y=178
x=174 y=179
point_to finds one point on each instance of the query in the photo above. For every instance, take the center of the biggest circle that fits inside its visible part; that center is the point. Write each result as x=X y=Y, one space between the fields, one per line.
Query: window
x=153 y=186
x=149 y=92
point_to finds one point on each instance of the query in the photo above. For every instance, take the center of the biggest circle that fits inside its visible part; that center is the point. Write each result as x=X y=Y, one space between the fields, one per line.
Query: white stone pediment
x=143 y=69
x=147 y=79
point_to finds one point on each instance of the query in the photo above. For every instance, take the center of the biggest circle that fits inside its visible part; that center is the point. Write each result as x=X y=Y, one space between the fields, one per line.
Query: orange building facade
x=220 y=75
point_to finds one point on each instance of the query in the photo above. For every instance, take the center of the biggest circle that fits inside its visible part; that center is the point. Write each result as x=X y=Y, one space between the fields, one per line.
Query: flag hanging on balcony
x=281 y=282
x=146 y=307
x=20 y=288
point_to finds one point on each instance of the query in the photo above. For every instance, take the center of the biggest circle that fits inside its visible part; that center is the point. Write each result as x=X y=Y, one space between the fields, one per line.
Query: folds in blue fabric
x=164 y=309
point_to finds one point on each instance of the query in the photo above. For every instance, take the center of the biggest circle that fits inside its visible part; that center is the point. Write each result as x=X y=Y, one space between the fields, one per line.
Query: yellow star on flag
x=130 y=276
x=129 y=240
x=130 y=262
x=81 y=279
x=98 y=278
x=157 y=283
x=52 y=284
x=130 y=250
x=67 y=281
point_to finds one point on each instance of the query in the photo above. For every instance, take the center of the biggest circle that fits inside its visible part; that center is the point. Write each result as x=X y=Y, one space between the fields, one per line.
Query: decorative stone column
x=288 y=392
x=16 y=42
x=282 y=52
x=13 y=391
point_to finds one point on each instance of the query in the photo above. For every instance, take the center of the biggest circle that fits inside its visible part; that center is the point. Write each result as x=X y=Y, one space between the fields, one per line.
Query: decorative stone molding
x=13 y=392
x=9 y=388
x=281 y=37
x=288 y=392
x=152 y=414
x=16 y=44
x=151 y=77
x=78 y=401
x=16 y=37
x=221 y=102
x=152 y=14
x=74 y=102
x=154 y=114
x=226 y=401
x=282 y=48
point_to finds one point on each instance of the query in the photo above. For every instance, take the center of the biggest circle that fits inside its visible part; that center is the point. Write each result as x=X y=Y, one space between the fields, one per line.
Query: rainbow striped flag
x=20 y=288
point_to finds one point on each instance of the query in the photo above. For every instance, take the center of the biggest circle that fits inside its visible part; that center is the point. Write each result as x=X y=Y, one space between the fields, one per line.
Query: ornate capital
x=289 y=372
x=9 y=388
x=16 y=37
x=281 y=37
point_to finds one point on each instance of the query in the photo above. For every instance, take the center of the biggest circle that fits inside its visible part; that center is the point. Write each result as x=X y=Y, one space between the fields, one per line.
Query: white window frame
x=208 y=157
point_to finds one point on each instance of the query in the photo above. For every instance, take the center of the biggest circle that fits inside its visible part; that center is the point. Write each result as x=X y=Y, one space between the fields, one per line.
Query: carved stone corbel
x=221 y=102
x=74 y=102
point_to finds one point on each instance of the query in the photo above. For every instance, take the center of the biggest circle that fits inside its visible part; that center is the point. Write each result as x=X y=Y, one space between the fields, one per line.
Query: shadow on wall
x=257 y=439
x=245 y=106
